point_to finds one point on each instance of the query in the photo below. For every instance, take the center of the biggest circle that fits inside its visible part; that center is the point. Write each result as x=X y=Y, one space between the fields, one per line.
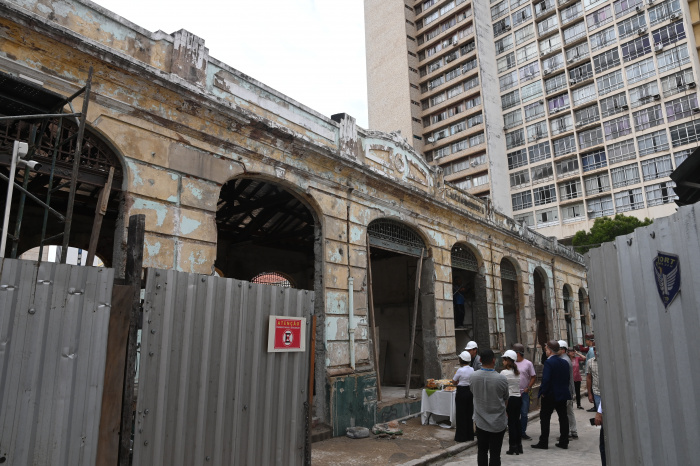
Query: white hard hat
x=510 y=354
x=465 y=356
x=563 y=344
x=471 y=345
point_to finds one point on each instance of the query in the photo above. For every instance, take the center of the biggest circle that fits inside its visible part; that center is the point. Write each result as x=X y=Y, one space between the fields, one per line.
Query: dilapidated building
x=238 y=180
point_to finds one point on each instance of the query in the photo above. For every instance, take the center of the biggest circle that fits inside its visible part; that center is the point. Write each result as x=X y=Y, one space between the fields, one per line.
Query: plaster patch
x=172 y=198
x=134 y=168
x=356 y=234
x=188 y=225
x=160 y=209
x=196 y=192
x=153 y=249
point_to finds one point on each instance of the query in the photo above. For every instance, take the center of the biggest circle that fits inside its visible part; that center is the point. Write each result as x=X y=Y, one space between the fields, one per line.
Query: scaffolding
x=28 y=112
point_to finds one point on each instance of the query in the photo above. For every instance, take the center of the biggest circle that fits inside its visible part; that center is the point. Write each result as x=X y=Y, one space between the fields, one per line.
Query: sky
x=310 y=50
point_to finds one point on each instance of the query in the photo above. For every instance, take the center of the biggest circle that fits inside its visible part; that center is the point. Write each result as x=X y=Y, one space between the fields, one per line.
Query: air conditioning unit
x=546 y=71
x=571 y=60
x=431 y=139
x=507 y=27
x=691 y=85
x=638 y=8
x=542 y=54
x=657 y=97
x=505 y=128
x=572 y=81
x=673 y=16
x=696 y=110
x=625 y=107
x=580 y=123
x=641 y=31
x=455 y=42
x=555 y=110
x=658 y=47
x=449 y=59
x=430 y=85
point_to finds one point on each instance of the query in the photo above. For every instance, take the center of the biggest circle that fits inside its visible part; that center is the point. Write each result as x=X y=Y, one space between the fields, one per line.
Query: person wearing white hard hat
x=563 y=350
x=472 y=348
x=514 y=401
x=464 y=403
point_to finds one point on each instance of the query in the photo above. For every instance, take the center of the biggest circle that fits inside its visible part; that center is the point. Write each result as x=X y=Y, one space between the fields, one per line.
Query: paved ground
x=581 y=452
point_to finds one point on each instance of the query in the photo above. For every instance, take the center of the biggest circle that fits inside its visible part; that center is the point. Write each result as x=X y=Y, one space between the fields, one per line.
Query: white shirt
x=513 y=382
x=463 y=375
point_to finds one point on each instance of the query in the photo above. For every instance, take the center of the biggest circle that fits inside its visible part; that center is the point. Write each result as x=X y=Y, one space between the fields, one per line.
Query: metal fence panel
x=210 y=393
x=648 y=377
x=53 y=331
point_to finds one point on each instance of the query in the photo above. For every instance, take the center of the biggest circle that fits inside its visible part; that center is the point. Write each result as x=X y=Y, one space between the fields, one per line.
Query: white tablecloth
x=440 y=404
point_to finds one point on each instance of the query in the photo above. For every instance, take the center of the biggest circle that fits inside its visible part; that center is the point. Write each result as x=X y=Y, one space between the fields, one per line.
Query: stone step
x=321 y=432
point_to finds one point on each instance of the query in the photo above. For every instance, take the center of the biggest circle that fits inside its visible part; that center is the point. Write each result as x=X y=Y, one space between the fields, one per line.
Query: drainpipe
x=351 y=321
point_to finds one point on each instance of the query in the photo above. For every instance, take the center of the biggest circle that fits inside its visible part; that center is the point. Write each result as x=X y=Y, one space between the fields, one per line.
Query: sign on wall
x=286 y=334
x=667 y=269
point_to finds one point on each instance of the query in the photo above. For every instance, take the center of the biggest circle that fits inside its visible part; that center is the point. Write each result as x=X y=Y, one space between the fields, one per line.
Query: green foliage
x=606 y=229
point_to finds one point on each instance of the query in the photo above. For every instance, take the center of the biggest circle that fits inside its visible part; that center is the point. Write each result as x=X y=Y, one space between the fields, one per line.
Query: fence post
x=134 y=262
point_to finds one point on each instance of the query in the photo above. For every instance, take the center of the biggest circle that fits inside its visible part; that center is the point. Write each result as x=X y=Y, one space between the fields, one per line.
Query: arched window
x=272 y=278
x=508 y=271
x=394 y=236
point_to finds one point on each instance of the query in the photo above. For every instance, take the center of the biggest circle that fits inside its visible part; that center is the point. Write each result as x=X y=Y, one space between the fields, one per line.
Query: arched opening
x=30 y=225
x=52 y=253
x=263 y=228
x=468 y=298
x=583 y=311
x=540 y=302
x=395 y=249
x=568 y=313
x=511 y=301
x=272 y=279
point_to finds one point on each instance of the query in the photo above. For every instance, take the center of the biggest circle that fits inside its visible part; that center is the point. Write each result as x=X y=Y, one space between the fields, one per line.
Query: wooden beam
x=373 y=322
x=415 y=319
x=100 y=211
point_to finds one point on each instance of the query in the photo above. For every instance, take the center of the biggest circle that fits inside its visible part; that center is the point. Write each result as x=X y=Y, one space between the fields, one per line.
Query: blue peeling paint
x=188 y=225
x=160 y=209
x=153 y=249
x=196 y=192
x=138 y=181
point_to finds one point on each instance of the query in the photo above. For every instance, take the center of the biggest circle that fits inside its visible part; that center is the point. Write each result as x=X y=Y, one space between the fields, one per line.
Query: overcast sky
x=310 y=50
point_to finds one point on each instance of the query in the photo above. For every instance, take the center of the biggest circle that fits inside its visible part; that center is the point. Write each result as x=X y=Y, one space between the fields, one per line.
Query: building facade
x=237 y=179
x=597 y=102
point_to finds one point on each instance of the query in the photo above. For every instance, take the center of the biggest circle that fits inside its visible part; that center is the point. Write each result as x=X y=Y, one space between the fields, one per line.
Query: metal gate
x=53 y=332
x=209 y=392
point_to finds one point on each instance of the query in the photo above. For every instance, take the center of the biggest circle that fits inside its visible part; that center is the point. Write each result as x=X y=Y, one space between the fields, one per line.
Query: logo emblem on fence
x=667 y=269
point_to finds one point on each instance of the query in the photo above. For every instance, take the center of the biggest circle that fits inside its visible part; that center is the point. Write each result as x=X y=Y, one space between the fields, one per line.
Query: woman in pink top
x=576 y=357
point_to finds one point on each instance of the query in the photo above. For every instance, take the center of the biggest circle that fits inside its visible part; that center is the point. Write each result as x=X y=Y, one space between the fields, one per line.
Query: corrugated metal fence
x=53 y=332
x=648 y=354
x=209 y=393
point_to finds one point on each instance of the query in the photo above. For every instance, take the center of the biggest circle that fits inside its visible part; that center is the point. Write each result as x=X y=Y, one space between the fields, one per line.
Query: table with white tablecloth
x=440 y=403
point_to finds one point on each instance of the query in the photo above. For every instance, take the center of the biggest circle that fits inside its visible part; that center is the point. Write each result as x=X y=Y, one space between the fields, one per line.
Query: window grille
x=463 y=258
x=394 y=236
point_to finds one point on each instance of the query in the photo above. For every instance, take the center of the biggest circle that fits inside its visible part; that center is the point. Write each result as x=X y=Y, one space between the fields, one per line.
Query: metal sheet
x=210 y=393
x=53 y=332
x=648 y=382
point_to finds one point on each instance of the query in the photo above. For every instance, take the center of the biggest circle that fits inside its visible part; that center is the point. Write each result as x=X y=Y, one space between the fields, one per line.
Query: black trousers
x=602 y=446
x=514 y=425
x=489 y=443
x=577 y=387
x=549 y=405
x=464 y=405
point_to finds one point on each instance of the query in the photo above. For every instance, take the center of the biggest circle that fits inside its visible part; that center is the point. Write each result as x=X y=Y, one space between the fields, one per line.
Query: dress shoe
x=579 y=407
x=540 y=446
x=513 y=451
x=526 y=437
x=592 y=410
x=520 y=449
x=573 y=436
x=562 y=446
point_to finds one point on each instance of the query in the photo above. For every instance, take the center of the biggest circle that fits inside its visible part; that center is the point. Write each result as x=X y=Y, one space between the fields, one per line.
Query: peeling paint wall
x=185 y=123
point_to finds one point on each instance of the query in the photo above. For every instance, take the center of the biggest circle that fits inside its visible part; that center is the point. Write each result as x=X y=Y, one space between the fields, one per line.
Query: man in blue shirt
x=554 y=393
x=458 y=292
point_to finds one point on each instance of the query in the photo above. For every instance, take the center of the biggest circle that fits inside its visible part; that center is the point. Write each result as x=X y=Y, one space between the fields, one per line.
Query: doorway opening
x=543 y=330
x=568 y=313
x=511 y=302
x=465 y=272
x=395 y=251
x=266 y=235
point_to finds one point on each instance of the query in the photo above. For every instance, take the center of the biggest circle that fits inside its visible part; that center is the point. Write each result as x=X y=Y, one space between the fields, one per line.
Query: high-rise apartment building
x=577 y=109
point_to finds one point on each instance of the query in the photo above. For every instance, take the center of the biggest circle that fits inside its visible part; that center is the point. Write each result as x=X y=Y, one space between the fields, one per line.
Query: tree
x=606 y=229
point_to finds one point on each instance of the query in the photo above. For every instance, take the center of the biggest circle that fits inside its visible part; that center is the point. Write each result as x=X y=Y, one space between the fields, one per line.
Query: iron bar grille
x=463 y=258
x=395 y=236
x=508 y=271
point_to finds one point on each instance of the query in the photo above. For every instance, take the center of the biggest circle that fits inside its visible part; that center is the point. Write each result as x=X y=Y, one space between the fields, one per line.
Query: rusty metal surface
x=648 y=380
x=53 y=332
x=210 y=392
